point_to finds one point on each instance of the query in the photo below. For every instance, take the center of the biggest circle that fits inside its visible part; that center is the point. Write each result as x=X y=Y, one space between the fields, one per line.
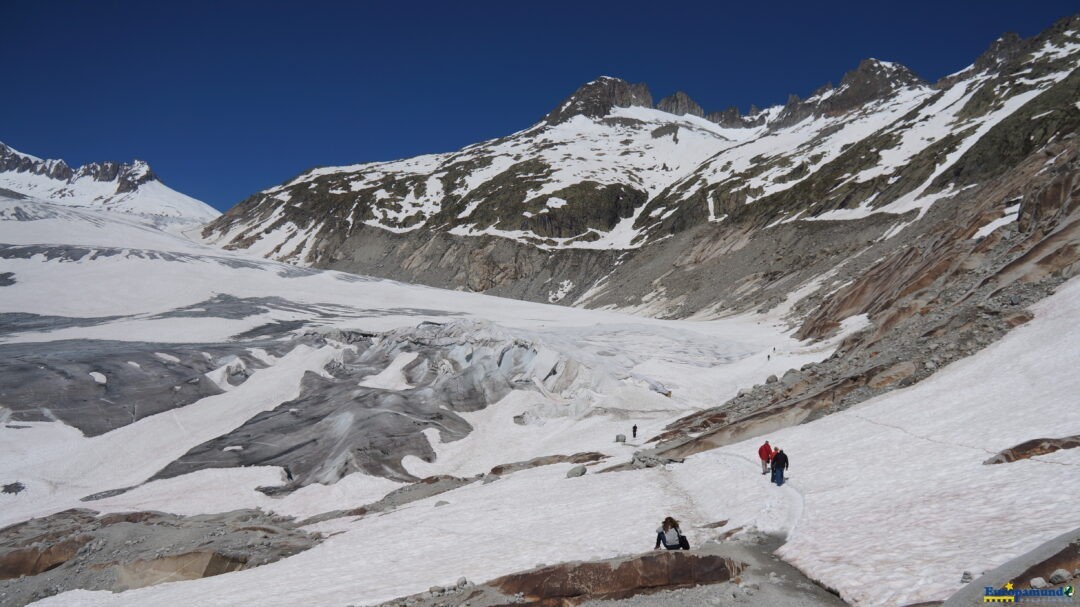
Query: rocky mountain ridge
x=609 y=202
x=131 y=188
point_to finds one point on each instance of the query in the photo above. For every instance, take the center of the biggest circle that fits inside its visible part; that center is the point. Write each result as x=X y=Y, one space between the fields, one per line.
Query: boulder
x=1060 y=576
x=620 y=438
x=1039 y=583
x=578 y=470
x=771 y=379
x=441 y=503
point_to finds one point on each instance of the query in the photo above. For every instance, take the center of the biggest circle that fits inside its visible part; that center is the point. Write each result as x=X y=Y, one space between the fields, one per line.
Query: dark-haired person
x=668 y=534
x=779 y=464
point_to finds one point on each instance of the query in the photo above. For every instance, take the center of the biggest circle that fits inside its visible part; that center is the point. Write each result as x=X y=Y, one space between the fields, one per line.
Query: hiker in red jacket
x=765 y=452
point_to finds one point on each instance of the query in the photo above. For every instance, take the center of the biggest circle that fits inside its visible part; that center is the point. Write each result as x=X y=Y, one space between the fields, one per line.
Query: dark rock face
x=731 y=118
x=679 y=104
x=81 y=549
x=597 y=98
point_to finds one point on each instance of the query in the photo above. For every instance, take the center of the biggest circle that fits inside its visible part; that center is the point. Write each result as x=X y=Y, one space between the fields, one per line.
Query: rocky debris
x=967 y=578
x=586 y=457
x=896 y=373
x=596 y=99
x=645 y=459
x=1033 y=448
x=576 y=471
x=82 y=549
x=13 y=488
x=679 y=103
x=7 y=279
x=423 y=489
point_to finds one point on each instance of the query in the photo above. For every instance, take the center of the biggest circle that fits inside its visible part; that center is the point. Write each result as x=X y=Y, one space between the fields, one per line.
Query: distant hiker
x=779 y=464
x=764 y=452
x=669 y=535
x=634 y=429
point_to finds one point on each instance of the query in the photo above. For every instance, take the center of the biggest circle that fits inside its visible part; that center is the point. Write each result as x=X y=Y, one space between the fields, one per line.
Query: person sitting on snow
x=669 y=535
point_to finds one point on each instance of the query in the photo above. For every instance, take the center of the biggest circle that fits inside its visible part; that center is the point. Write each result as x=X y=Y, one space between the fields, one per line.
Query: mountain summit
x=597 y=98
x=131 y=188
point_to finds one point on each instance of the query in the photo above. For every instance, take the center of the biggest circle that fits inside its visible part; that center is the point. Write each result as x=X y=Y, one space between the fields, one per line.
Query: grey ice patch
x=19 y=322
x=7 y=279
x=337 y=427
x=51 y=381
x=11 y=195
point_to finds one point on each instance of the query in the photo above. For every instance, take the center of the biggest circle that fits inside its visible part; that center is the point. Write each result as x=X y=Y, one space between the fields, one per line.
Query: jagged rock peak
x=1001 y=51
x=875 y=79
x=872 y=80
x=15 y=161
x=597 y=98
x=679 y=103
x=128 y=176
x=731 y=118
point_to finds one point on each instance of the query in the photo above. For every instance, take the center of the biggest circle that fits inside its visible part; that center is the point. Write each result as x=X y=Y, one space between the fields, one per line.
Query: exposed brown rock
x=38 y=558
x=573 y=583
x=1033 y=448
x=190 y=566
x=893 y=374
x=577 y=458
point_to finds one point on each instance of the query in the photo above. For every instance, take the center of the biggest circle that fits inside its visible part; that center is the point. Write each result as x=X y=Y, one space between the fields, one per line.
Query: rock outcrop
x=596 y=99
x=82 y=549
x=679 y=103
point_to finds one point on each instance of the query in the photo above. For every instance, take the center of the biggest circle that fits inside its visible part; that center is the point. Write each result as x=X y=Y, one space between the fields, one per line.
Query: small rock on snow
x=578 y=470
x=1059 y=576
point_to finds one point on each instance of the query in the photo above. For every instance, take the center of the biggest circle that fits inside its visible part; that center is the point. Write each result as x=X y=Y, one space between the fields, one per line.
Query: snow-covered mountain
x=578 y=207
x=881 y=279
x=130 y=188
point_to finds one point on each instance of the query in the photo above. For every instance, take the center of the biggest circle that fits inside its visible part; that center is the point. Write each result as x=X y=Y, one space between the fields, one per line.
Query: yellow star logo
x=1009 y=586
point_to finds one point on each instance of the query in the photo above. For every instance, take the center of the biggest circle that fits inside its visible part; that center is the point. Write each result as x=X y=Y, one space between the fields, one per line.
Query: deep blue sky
x=226 y=98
